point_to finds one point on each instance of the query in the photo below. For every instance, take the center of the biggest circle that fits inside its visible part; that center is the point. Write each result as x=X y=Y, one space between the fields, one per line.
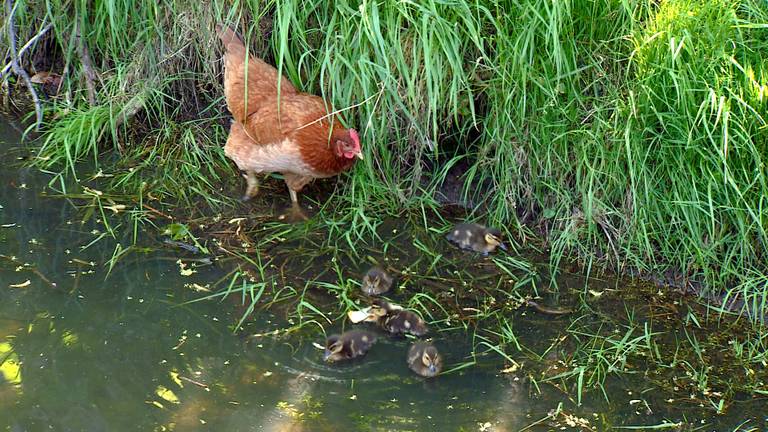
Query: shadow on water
x=83 y=350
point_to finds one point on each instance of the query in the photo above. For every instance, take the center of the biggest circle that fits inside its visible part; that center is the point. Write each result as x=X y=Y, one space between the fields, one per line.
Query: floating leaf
x=177 y=231
x=69 y=338
x=10 y=367
x=183 y=270
x=175 y=378
x=358 y=316
x=167 y=394
x=511 y=369
x=197 y=287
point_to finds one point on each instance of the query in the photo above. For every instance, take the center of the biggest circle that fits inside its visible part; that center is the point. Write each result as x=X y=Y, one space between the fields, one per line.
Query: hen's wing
x=249 y=82
x=293 y=137
x=297 y=114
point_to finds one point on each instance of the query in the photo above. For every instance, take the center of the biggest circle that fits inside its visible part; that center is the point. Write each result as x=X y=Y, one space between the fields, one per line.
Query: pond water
x=86 y=347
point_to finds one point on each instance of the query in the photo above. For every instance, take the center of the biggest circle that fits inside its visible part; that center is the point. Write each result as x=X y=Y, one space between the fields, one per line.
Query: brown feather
x=296 y=182
x=248 y=87
x=266 y=119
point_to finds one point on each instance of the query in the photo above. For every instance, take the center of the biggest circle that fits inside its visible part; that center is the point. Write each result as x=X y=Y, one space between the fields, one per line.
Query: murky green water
x=83 y=351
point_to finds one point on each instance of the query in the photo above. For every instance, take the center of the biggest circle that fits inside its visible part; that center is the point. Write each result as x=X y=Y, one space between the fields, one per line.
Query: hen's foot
x=294 y=214
x=253 y=186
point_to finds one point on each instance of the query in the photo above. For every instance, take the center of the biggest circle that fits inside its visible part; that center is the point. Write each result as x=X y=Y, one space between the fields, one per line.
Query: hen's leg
x=295 y=184
x=253 y=185
x=294 y=198
x=295 y=213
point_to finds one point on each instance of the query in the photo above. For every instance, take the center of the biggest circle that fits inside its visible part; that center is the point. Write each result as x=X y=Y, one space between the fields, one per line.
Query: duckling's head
x=333 y=348
x=376 y=281
x=431 y=360
x=377 y=312
x=373 y=313
x=493 y=238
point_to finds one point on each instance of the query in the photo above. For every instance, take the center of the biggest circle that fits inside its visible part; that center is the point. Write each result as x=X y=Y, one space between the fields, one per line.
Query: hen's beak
x=359 y=155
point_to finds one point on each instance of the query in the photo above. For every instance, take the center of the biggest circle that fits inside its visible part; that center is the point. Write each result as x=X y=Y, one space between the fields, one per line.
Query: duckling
x=424 y=359
x=348 y=345
x=376 y=281
x=476 y=237
x=396 y=320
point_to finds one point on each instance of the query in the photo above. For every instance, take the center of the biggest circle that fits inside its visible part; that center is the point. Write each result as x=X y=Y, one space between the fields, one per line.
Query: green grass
x=631 y=134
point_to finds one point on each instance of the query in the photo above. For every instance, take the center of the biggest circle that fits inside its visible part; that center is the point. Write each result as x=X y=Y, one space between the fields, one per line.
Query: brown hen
x=277 y=128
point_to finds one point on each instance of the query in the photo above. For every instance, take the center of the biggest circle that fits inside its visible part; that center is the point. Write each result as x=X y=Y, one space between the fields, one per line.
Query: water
x=83 y=351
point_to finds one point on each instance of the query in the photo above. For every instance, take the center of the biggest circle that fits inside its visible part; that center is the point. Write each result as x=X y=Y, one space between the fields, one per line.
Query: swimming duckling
x=476 y=237
x=424 y=359
x=376 y=281
x=348 y=345
x=396 y=320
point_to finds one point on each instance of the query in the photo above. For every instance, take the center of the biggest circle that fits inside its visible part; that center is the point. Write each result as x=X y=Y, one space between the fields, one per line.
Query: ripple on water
x=386 y=361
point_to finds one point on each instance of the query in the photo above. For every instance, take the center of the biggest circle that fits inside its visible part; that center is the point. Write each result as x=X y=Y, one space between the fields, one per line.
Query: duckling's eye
x=426 y=360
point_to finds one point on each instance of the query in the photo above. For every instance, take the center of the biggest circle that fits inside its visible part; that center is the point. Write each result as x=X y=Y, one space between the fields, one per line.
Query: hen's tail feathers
x=232 y=42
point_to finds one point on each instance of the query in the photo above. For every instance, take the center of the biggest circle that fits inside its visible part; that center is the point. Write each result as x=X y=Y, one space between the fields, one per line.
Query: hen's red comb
x=355 y=137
